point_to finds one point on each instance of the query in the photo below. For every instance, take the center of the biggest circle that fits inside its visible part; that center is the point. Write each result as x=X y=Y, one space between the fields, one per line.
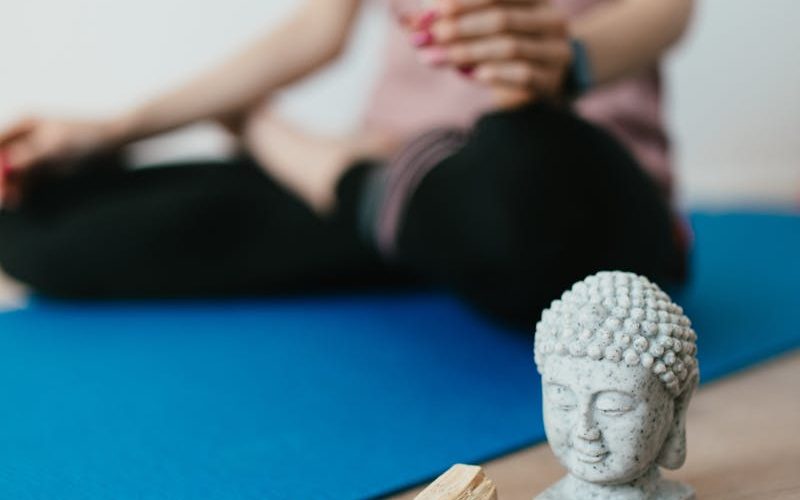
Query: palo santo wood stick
x=460 y=482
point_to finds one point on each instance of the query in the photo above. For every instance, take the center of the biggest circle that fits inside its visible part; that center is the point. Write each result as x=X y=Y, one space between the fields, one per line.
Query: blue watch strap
x=580 y=78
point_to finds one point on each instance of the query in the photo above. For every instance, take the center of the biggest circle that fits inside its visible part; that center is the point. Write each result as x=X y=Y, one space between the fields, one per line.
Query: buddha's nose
x=589 y=433
x=586 y=427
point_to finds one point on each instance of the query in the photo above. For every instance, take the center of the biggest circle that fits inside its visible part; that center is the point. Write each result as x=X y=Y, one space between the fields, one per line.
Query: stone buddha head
x=618 y=365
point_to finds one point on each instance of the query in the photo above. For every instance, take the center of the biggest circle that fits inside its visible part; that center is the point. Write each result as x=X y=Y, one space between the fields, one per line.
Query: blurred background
x=734 y=83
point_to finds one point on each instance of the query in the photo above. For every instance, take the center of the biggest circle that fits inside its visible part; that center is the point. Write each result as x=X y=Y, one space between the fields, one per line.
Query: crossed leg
x=535 y=199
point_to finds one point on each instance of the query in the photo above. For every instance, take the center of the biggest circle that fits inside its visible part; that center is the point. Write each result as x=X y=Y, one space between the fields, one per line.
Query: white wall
x=735 y=103
x=735 y=82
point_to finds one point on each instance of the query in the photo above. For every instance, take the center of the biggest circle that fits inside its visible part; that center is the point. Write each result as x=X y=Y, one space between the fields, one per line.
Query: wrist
x=119 y=130
x=579 y=78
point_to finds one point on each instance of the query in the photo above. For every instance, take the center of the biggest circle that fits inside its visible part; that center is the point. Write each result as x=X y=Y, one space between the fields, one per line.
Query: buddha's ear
x=673 y=452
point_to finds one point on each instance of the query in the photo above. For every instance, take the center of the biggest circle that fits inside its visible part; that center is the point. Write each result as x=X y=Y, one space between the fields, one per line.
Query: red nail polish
x=421 y=38
x=5 y=164
x=5 y=168
x=467 y=71
x=427 y=19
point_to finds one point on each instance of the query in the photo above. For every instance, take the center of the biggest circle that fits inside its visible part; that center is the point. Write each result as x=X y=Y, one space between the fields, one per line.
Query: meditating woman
x=510 y=148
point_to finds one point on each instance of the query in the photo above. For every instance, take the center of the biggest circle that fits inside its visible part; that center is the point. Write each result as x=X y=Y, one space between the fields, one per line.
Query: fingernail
x=433 y=56
x=421 y=38
x=5 y=163
x=426 y=19
x=4 y=168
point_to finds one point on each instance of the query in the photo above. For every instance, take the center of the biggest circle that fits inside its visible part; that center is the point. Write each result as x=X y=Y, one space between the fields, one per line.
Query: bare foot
x=309 y=165
x=12 y=293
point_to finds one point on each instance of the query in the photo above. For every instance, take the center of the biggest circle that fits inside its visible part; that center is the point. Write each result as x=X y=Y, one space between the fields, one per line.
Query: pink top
x=411 y=97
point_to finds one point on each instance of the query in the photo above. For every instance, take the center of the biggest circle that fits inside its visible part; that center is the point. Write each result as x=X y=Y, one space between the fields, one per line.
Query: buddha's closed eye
x=613 y=403
x=560 y=396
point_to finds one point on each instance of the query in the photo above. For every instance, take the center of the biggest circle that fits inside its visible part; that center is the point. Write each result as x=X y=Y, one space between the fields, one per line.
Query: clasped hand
x=519 y=48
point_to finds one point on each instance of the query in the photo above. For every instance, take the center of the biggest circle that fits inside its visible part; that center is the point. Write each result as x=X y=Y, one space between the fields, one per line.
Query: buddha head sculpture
x=618 y=365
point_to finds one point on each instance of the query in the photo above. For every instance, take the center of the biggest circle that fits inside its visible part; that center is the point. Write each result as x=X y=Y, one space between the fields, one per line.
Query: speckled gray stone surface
x=618 y=365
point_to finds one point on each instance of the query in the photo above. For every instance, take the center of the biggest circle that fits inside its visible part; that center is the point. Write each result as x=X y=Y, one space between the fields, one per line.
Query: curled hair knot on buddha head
x=622 y=318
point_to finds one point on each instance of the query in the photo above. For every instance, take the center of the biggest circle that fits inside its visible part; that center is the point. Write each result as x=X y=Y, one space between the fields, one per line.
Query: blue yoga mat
x=327 y=397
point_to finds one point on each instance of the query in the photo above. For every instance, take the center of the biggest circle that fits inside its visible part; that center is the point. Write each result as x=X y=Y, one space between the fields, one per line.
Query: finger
x=453 y=7
x=9 y=190
x=515 y=74
x=537 y=22
x=21 y=158
x=549 y=52
x=5 y=164
x=17 y=129
x=5 y=167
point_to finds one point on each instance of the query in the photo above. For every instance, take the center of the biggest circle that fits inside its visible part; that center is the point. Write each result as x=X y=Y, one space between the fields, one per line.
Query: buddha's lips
x=590 y=457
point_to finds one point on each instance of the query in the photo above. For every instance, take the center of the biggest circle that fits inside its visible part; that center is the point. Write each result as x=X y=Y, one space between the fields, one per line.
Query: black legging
x=536 y=199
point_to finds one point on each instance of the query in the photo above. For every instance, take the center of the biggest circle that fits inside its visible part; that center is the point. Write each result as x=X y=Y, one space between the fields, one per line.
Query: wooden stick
x=460 y=482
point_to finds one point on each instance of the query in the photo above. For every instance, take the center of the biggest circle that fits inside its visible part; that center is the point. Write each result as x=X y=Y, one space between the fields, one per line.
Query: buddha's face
x=605 y=421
